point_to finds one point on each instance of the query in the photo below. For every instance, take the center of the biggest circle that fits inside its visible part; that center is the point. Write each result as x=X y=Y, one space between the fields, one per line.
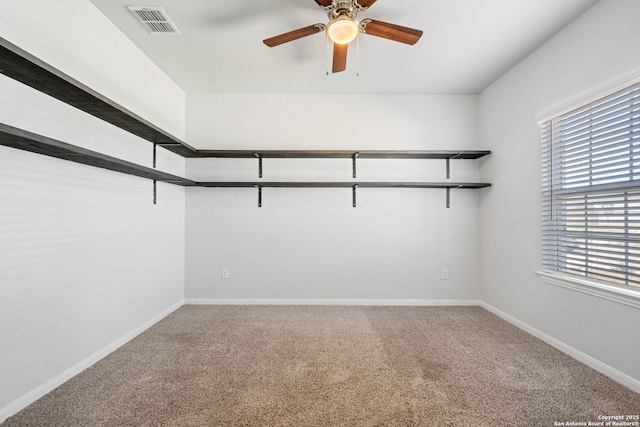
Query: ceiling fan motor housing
x=343 y=8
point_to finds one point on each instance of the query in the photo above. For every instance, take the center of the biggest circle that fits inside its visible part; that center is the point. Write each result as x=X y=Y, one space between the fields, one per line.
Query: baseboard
x=592 y=362
x=35 y=394
x=329 y=301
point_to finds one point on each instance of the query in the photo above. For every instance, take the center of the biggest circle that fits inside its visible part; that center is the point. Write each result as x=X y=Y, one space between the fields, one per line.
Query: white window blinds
x=591 y=190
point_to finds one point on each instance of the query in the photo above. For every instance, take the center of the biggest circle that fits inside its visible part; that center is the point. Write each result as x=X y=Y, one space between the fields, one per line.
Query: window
x=591 y=191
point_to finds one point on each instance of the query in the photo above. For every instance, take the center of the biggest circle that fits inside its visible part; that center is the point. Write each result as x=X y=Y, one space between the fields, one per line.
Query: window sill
x=630 y=297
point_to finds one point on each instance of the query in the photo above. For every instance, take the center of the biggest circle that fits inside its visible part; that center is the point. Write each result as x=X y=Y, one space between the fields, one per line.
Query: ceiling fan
x=343 y=28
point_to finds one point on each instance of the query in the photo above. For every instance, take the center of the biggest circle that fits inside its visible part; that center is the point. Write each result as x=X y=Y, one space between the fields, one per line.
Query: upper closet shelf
x=446 y=155
x=346 y=154
x=27 y=69
x=28 y=141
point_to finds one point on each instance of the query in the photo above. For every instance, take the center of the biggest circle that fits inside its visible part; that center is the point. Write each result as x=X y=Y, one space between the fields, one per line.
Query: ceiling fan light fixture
x=343 y=30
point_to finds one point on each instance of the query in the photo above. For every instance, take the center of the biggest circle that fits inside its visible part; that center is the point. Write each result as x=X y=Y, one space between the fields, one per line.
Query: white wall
x=311 y=243
x=331 y=121
x=86 y=258
x=599 y=47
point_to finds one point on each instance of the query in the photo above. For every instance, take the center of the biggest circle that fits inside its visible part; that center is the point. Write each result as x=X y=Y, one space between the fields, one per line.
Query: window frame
x=625 y=294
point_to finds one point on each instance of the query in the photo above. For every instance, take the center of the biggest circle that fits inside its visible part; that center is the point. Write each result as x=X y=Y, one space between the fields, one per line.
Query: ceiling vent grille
x=154 y=19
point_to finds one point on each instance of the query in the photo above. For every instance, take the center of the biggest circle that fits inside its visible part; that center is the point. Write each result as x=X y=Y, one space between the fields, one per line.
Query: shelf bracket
x=448 y=197
x=259 y=157
x=455 y=156
x=259 y=187
x=353 y=194
x=353 y=163
x=155 y=188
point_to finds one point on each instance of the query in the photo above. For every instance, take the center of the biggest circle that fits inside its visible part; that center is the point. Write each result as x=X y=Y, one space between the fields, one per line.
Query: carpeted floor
x=332 y=366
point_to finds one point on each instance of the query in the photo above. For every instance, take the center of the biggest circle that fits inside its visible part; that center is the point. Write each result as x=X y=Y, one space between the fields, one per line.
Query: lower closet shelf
x=447 y=186
x=28 y=141
x=366 y=184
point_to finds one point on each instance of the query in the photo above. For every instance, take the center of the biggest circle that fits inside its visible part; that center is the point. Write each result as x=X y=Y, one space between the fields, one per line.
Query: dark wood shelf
x=353 y=185
x=27 y=69
x=346 y=154
x=361 y=184
x=446 y=155
x=28 y=141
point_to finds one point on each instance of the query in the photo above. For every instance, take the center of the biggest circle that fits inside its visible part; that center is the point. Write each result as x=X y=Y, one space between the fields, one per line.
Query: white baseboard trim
x=38 y=392
x=330 y=301
x=592 y=362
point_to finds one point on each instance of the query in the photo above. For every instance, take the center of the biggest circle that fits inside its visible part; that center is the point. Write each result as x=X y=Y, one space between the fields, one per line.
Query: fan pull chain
x=328 y=55
x=358 y=56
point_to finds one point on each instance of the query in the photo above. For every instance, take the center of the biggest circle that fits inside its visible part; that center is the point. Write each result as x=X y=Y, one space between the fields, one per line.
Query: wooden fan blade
x=339 y=57
x=293 y=35
x=366 y=3
x=324 y=3
x=392 y=32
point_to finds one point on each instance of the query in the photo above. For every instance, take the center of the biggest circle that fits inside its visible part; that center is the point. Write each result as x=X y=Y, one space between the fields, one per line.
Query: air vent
x=154 y=19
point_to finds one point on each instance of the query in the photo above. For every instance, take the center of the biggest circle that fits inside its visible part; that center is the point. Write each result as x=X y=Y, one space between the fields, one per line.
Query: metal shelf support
x=353 y=161
x=455 y=156
x=353 y=195
x=155 y=189
x=259 y=157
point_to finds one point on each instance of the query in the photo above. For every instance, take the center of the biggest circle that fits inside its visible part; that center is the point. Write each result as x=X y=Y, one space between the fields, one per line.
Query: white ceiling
x=467 y=44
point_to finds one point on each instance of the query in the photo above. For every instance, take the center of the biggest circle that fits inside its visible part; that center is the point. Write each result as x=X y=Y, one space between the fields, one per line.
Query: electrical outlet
x=224 y=273
x=445 y=274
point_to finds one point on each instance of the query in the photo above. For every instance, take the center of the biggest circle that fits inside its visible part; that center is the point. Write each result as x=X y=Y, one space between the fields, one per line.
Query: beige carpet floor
x=332 y=366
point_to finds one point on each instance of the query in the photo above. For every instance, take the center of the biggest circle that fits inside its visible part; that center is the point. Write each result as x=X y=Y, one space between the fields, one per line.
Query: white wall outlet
x=445 y=274
x=224 y=273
